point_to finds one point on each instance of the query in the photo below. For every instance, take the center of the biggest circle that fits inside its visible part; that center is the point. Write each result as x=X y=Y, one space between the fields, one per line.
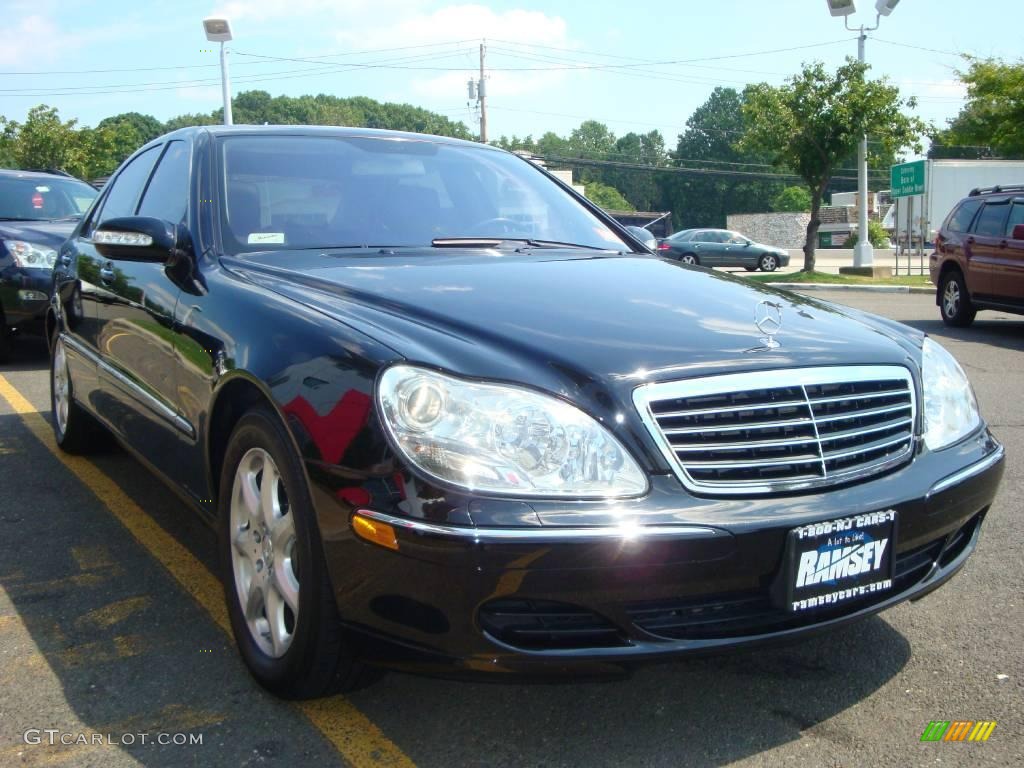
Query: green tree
x=991 y=123
x=607 y=197
x=792 y=200
x=718 y=183
x=258 y=107
x=640 y=187
x=45 y=141
x=816 y=119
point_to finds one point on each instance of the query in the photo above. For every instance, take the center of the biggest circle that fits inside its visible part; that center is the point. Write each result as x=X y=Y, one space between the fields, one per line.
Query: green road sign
x=907 y=179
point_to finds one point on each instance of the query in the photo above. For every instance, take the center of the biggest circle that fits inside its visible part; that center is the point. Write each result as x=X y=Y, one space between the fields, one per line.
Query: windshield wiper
x=491 y=242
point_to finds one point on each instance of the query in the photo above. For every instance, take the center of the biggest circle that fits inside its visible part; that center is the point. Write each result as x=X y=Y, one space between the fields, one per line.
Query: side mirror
x=136 y=238
x=1018 y=232
x=747 y=244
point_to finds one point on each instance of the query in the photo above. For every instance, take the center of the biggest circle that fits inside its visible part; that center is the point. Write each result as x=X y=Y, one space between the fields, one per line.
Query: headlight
x=31 y=254
x=502 y=439
x=950 y=408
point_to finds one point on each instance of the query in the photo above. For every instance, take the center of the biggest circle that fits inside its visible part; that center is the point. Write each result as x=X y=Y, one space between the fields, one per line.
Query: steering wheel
x=509 y=226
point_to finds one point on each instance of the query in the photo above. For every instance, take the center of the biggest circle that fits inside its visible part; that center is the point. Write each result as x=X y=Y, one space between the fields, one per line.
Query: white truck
x=946 y=183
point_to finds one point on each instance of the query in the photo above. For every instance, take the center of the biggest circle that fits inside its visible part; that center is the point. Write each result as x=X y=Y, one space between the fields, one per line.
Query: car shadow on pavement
x=696 y=712
x=28 y=353
x=1005 y=333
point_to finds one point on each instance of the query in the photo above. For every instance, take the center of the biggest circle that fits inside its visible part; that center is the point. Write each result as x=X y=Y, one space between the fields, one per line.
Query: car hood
x=48 y=232
x=565 y=320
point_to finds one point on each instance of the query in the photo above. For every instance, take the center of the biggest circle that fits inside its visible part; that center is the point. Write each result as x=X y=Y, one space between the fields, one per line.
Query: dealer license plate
x=836 y=561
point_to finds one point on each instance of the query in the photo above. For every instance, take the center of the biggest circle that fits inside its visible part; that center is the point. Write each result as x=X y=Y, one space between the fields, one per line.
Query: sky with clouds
x=551 y=64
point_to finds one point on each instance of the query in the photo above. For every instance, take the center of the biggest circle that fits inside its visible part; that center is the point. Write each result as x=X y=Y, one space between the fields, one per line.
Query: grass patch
x=828 y=277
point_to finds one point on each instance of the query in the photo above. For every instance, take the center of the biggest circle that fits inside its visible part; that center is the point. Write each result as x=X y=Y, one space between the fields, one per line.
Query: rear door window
x=992 y=220
x=1016 y=217
x=961 y=219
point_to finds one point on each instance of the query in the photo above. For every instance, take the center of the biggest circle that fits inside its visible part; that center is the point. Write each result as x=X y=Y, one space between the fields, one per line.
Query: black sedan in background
x=446 y=414
x=722 y=248
x=37 y=212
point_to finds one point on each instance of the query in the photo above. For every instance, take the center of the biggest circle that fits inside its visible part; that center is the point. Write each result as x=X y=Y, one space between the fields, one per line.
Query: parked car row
x=37 y=213
x=447 y=414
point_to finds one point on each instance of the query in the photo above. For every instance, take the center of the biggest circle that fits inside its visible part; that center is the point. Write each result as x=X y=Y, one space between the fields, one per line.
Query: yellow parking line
x=353 y=734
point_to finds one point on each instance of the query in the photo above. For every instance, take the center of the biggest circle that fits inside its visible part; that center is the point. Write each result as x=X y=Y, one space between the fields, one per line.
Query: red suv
x=979 y=255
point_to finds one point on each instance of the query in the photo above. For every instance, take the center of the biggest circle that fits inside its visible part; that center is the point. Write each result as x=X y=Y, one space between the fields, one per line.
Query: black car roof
x=15 y=173
x=318 y=130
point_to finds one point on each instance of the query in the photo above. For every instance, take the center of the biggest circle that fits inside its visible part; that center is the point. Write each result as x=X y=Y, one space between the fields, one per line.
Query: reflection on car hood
x=51 y=233
x=525 y=317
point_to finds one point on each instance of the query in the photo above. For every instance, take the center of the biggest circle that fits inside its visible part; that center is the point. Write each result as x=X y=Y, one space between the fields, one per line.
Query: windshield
x=324 y=192
x=39 y=198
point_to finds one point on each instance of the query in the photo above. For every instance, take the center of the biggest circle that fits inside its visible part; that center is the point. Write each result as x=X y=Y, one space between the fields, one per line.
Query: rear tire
x=278 y=592
x=689 y=258
x=954 y=301
x=74 y=430
x=769 y=262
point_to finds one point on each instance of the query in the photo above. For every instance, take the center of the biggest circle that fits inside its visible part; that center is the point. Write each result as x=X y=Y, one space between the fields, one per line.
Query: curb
x=854 y=287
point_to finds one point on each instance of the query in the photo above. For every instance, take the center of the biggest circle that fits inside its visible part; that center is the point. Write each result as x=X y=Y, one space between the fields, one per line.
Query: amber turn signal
x=375 y=532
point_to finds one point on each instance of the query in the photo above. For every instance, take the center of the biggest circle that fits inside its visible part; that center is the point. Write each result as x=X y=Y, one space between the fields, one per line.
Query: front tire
x=279 y=596
x=74 y=430
x=769 y=262
x=954 y=301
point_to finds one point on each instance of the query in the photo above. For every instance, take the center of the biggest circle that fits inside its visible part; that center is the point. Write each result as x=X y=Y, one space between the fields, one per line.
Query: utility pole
x=864 y=254
x=482 y=94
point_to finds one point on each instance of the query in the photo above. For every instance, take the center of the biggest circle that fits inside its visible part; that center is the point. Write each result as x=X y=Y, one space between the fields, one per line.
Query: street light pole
x=225 y=85
x=864 y=253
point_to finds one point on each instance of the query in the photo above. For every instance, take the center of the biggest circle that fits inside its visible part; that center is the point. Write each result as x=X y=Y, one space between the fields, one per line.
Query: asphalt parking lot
x=111 y=623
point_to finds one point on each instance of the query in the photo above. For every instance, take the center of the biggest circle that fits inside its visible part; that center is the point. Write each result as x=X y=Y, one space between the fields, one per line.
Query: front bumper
x=25 y=296
x=554 y=600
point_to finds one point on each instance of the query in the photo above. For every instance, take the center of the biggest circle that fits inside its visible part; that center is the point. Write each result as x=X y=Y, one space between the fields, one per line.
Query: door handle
x=970 y=241
x=1002 y=244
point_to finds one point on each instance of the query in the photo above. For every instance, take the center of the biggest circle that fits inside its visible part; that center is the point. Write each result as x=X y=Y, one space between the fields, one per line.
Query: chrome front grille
x=773 y=431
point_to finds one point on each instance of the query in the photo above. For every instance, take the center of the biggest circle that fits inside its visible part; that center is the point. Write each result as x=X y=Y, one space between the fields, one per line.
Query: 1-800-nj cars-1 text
x=446 y=414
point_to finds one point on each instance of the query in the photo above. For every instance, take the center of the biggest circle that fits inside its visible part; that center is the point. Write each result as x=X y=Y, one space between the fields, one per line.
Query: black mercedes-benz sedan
x=447 y=415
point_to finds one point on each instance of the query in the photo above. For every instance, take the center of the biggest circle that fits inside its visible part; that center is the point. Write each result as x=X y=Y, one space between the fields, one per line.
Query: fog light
x=375 y=532
x=31 y=296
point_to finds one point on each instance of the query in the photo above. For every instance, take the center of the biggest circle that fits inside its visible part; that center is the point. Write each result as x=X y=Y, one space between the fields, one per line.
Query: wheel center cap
x=267 y=548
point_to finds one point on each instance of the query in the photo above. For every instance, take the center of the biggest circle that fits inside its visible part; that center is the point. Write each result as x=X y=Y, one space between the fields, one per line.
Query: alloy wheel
x=264 y=553
x=951 y=299
x=688 y=259
x=61 y=387
x=769 y=263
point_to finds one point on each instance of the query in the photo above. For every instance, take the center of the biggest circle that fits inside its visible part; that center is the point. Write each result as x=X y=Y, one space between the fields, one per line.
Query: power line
x=288 y=74
x=628 y=58
x=918 y=47
x=558 y=159
x=203 y=66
